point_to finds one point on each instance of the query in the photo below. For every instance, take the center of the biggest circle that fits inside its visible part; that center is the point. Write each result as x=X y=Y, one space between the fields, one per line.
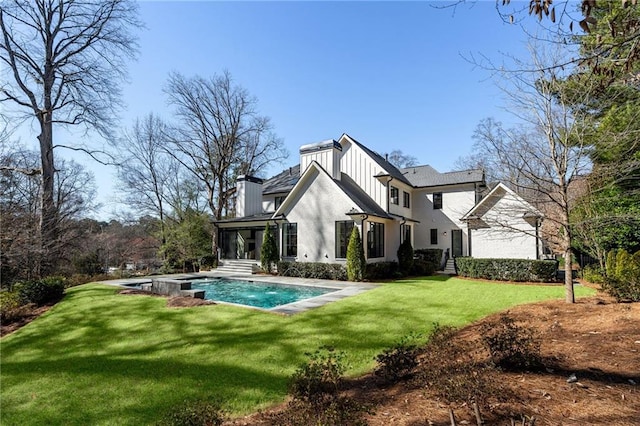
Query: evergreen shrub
x=41 y=292
x=405 y=257
x=507 y=269
x=356 y=263
x=269 y=251
x=623 y=276
x=316 y=270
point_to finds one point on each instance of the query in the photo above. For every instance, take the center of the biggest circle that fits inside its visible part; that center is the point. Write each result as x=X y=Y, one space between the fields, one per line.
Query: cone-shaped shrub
x=356 y=263
x=269 y=251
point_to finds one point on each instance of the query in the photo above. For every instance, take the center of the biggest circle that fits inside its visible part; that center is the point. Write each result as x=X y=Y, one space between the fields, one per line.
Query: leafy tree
x=188 y=240
x=269 y=250
x=356 y=263
x=65 y=60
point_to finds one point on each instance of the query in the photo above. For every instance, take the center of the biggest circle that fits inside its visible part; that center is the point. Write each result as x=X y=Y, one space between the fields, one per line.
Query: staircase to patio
x=238 y=267
x=450 y=267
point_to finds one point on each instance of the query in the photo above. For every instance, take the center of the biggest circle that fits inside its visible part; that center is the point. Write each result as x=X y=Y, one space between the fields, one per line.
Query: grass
x=100 y=358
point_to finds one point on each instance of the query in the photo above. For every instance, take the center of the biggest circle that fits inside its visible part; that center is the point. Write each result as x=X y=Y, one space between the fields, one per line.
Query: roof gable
x=491 y=199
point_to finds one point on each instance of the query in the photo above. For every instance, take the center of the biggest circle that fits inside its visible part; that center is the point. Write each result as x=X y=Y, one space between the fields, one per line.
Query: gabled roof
x=282 y=182
x=386 y=166
x=425 y=176
x=490 y=200
x=348 y=187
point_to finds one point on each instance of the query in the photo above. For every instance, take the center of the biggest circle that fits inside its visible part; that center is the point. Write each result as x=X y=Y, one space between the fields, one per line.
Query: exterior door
x=456 y=242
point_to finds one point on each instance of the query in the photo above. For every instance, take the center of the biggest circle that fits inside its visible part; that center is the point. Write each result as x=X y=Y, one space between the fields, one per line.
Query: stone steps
x=238 y=267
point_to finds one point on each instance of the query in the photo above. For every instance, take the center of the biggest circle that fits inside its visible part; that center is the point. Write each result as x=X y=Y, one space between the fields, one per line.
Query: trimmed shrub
x=11 y=309
x=433 y=256
x=382 y=271
x=198 y=413
x=356 y=263
x=610 y=263
x=512 y=347
x=209 y=261
x=317 y=270
x=269 y=251
x=399 y=361
x=507 y=269
x=422 y=268
x=405 y=257
x=46 y=290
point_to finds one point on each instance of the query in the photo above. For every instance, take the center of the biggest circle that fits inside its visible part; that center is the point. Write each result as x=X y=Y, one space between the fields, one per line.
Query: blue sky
x=391 y=74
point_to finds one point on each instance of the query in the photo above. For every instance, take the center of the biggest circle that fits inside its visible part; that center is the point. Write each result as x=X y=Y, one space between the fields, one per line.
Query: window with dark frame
x=437 y=200
x=290 y=237
x=406 y=199
x=434 y=236
x=278 y=201
x=343 y=234
x=405 y=233
x=395 y=195
x=375 y=240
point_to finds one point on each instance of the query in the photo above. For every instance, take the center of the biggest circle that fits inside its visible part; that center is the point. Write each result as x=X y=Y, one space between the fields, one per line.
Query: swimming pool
x=257 y=294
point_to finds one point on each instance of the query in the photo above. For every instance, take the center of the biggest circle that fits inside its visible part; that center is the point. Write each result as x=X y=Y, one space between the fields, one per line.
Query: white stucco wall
x=317 y=207
x=248 y=198
x=457 y=200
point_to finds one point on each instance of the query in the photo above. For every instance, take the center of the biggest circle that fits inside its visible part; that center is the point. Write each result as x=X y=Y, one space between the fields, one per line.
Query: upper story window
x=343 y=234
x=437 y=200
x=406 y=199
x=290 y=239
x=395 y=195
x=375 y=240
x=279 y=200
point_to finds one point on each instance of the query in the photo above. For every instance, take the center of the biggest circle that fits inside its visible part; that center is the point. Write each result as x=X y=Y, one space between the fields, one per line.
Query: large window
x=437 y=200
x=406 y=199
x=343 y=233
x=434 y=236
x=290 y=239
x=395 y=195
x=375 y=240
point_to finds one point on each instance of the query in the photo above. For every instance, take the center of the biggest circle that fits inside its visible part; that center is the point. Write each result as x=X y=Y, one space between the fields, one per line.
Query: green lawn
x=102 y=358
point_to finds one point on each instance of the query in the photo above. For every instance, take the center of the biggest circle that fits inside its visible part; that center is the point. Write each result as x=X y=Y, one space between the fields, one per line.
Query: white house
x=341 y=184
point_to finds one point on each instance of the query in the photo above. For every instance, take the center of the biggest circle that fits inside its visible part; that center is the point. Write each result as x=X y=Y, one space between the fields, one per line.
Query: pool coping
x=343 y=289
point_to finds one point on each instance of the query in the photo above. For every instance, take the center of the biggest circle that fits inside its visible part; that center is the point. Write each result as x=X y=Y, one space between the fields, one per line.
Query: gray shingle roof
x=361 y=198
x=283 y=181
x=424 y=176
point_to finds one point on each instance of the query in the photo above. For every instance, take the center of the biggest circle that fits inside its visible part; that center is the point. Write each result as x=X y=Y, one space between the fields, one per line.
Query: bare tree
x=146 y=170
x=220 y=135
x=63 y=62
x=401 y=160
x=546 y=157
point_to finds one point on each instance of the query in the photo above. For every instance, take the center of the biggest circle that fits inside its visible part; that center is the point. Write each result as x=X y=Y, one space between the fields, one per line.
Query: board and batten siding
x=358 y=165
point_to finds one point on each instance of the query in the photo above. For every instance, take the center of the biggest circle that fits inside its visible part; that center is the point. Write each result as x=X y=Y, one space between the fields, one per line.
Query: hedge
x=433 y=256
x=317 y=270
x=507 y=269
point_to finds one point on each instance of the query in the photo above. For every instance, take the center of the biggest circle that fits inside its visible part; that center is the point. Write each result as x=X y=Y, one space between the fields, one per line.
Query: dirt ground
x=595 y=339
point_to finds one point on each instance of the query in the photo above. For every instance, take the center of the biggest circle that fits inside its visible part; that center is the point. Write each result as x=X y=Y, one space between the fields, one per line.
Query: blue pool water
x=260 y=295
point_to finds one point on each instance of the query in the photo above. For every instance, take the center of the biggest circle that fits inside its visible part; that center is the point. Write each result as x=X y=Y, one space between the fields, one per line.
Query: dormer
x=326 y=154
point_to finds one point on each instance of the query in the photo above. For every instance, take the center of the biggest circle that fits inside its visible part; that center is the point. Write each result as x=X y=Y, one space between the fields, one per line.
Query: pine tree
x=356 y=263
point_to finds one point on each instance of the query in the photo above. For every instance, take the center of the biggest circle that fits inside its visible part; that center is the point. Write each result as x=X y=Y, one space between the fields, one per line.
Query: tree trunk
x=568 y=278
x=48 y=221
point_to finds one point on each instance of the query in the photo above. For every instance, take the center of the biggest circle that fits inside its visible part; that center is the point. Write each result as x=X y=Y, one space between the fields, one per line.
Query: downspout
x=388 y=192
x=537 y=239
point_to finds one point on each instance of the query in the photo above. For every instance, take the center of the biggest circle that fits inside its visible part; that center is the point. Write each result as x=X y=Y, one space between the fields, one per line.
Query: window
x=343 y=233
x=279 y=200
x=375 y=240
x=434 y=236
x=406 y=199
x=405 y=233
x=437 y=200
x=395 y=195
x=290 y=239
